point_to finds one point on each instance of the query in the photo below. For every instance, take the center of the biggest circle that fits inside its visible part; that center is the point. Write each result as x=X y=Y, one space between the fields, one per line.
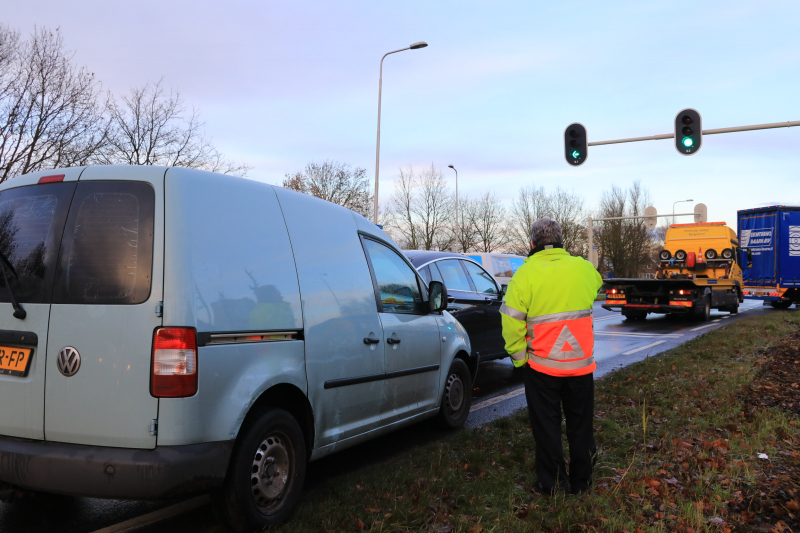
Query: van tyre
x=457 y=396
x=265 y=475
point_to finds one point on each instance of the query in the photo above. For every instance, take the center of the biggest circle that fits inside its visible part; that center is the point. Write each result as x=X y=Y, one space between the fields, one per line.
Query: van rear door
x=32 y=219
x=108 y=284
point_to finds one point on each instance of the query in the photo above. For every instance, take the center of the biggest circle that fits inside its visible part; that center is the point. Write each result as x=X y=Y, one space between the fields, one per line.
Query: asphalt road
x=498 y=393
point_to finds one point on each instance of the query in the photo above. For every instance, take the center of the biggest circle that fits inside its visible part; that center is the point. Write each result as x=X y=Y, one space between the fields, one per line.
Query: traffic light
x=688 y=131
x=576 y=144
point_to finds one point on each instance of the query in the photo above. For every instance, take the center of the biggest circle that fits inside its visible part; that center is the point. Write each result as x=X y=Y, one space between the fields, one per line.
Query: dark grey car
x=474 y=297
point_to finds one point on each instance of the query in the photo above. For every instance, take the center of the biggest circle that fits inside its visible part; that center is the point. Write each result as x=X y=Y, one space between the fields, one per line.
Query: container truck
x=700 y=268
x=772 y=236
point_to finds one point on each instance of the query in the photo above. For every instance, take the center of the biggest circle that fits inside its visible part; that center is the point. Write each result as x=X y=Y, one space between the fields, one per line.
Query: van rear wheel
x=457 y=396
x=265 y=475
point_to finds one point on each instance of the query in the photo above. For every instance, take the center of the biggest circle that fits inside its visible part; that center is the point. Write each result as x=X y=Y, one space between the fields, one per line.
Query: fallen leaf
x=792 y=505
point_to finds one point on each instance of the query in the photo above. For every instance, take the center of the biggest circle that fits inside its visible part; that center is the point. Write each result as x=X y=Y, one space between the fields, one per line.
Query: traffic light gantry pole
x=788 y=124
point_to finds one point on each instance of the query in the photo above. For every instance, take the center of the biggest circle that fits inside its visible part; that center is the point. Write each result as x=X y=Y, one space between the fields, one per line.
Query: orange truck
x=700 y=269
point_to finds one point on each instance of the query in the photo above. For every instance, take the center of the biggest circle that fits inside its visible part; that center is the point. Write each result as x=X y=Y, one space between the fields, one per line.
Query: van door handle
x=390 y=340
x=369 y=340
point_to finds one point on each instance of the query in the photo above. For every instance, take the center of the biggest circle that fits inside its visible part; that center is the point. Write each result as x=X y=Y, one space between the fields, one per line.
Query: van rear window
x=31 y=222
x=107 y=249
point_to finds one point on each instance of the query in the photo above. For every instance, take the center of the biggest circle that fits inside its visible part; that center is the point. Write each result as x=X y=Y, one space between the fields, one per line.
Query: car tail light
x=173 y=368
x=690 y=260
x=57 y=178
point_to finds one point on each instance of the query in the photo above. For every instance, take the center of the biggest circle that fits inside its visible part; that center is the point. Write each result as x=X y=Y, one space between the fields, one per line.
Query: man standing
x=547 y=326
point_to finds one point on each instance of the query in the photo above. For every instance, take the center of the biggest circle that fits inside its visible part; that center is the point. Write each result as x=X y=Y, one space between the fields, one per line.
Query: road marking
x=642 y=335
x=606 y=318
x=156 y=516
x=643 y=347
x=497 y=399
x=702 y=327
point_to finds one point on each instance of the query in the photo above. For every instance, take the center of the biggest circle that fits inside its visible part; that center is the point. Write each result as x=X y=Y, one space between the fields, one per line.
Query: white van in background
x=501 y=266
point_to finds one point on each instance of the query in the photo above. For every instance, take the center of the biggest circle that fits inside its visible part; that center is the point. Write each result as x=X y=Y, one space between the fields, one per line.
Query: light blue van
x=166 y=331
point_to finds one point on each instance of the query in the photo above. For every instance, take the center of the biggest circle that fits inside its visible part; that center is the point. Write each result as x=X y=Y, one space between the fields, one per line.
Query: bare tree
x=334 y=182
x=422 y=210
x=152 y=126
x=466 y=236
x=623 y=244
x=568 y=209
x=49 y=111
x=530 y=204
x=488 y=219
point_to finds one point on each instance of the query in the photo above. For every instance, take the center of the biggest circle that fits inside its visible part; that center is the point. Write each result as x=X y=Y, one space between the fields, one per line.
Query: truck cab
x=700 y=268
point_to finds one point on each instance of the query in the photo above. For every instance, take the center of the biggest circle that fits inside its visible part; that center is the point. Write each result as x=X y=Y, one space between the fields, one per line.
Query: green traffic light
x=575 y=154
x=687 y=142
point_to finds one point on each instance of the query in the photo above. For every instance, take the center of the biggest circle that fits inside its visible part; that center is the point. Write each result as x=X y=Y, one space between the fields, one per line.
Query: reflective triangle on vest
x=566 y=346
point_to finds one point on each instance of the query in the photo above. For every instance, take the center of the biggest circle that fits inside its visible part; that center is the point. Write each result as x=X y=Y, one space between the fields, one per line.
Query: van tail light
x=690 y=260
x=173 y=368
x=57 y=178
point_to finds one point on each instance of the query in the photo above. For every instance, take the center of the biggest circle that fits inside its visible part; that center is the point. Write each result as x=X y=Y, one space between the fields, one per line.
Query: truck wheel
x=781 y=305
x=734 y=309
x=704 y=311
x=265 y=475
x=635 y=315
x=457 y=396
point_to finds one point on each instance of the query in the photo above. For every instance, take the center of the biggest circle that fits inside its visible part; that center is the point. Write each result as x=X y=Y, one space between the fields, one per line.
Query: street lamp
x=415 y=46
x=457 y=224
x=673 y=207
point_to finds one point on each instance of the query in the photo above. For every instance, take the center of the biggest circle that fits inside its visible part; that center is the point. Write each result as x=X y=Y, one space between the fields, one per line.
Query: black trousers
x=546 y=396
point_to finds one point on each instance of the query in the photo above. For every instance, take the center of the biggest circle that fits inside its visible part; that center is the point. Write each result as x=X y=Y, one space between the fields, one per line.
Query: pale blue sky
x=280 y=84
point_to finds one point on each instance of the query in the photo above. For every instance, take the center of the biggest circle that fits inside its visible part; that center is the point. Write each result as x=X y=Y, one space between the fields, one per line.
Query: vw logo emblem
x=69 y=361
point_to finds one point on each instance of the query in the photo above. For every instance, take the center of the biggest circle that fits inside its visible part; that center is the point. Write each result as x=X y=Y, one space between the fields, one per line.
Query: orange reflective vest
x=547 y=314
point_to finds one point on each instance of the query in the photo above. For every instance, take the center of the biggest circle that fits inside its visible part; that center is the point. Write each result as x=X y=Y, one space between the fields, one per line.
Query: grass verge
x=680 y=438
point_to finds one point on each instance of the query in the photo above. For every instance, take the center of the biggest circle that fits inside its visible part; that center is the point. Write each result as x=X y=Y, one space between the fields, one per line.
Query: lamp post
x=673 y=207
x=458 y=226
x=415 y=46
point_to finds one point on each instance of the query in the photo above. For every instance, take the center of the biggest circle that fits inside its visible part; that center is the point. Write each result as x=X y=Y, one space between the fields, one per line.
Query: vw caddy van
x=166 y=331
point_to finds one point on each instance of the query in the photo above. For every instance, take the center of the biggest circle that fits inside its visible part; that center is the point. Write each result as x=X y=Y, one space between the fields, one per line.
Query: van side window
x=107 y=248
x=455 y=279
x=396 y=283
x=482 y=280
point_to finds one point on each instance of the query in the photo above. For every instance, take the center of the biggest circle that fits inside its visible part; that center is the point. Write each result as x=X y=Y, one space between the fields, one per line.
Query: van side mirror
x=437 y=296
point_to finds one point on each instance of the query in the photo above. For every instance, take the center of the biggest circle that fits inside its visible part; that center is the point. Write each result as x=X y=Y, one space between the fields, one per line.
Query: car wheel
x=265 y=475
x=457 y=396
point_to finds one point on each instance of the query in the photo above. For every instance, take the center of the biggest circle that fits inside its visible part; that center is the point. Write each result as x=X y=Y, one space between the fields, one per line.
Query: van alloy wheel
x=271 y=470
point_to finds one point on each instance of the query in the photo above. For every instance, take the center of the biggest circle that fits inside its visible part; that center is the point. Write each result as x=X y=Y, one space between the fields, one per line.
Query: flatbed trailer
x=700 y=270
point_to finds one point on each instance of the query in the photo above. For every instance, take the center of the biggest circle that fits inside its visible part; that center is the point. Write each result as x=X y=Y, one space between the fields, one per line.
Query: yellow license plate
x=15 y=361
x=611 y=296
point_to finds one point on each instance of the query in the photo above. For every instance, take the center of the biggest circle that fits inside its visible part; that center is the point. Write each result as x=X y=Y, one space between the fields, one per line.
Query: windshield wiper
x=19 y=312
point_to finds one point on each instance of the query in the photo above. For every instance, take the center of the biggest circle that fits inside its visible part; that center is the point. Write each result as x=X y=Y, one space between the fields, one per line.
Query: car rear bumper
x=118 y=473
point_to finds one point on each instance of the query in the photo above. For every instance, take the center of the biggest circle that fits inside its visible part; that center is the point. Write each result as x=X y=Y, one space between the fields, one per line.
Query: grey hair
x=545 y=231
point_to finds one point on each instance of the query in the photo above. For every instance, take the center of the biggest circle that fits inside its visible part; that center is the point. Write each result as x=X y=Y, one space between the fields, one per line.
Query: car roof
x=420 y=257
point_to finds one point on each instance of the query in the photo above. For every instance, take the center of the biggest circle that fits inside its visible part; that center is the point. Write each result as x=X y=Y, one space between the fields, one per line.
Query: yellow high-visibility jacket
x=547 y=313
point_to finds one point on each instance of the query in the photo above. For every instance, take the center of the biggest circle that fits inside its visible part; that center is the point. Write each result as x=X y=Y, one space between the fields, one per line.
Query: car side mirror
x=503 y=290
x=437 y=296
